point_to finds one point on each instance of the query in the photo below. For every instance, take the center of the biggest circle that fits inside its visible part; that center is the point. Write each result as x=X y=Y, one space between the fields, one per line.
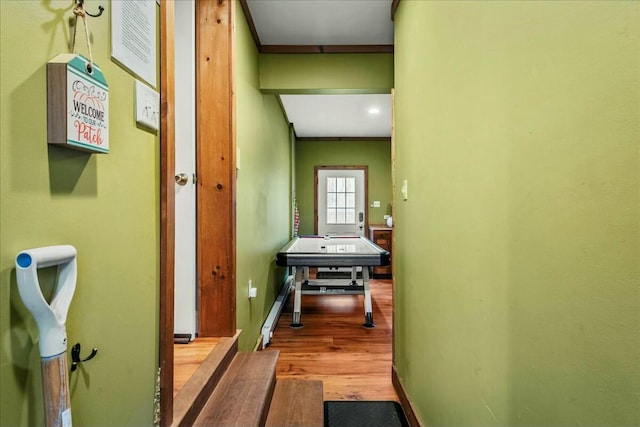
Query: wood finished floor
x=354 y=363
x=187 y=358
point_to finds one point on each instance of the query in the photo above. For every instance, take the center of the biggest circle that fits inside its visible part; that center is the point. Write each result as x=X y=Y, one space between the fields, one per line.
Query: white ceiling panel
x=322 y=22
x=339 y=115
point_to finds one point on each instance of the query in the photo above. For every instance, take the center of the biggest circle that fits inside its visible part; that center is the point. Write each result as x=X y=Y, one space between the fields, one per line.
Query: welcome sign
x=77 y=104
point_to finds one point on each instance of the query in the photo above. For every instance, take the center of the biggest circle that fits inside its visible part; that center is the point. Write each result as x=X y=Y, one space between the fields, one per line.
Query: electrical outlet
x=253 y=292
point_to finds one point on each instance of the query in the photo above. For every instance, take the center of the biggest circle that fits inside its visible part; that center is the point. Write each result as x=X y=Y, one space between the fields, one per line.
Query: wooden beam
x=360 y=48
x=215 y=140
x=167 y=209
x=394 y=8
x=252 y=25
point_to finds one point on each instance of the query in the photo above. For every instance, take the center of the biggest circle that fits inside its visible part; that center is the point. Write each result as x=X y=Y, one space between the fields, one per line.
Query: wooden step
x=296 y=403
x=242 y=396
x=191 y=398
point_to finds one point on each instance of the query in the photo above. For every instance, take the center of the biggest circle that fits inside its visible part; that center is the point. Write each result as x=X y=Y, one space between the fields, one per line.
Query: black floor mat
x=347 y=413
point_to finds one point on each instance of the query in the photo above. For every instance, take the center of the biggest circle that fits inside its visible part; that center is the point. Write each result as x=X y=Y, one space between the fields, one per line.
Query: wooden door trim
x=167 y=186
x=167 y=209
x=365 y=168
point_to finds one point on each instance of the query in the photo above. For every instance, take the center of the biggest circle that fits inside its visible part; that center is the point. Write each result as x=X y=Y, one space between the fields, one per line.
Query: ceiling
x=323 y=26
x=337 y=116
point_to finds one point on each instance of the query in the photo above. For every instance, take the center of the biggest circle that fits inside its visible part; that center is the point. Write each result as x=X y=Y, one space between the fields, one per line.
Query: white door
x=341 y=202
x=185 y=198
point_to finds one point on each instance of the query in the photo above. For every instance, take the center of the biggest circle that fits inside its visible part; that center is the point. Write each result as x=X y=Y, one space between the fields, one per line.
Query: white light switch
x=147 y=106
x=376 y=203
x=253 y=292
x=405 y=190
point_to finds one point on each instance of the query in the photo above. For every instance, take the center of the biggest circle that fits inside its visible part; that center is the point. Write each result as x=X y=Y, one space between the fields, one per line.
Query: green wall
x=516 y=253
x=374 y=154
x=104 y=205
x=263 y=213
x=326 y=73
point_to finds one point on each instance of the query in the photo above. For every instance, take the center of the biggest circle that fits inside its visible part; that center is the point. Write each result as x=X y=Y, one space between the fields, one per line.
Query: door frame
x=215 y=141
x=316 y=168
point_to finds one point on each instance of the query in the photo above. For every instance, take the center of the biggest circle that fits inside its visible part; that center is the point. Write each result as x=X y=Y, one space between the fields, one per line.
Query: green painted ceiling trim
x=317 y=73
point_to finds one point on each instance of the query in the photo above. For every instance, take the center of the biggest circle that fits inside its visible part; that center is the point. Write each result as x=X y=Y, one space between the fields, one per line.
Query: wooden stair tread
x=242 y=396
x=194 y=394
x=296 y=403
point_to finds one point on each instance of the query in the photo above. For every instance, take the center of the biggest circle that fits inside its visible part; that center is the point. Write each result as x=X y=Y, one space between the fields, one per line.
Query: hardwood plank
x=378 y=346
x=352 y=387
x=333 y=364
x=194 y=394
x=354 y=363
x=296 y=403
x=187 y=358
x=242 y=396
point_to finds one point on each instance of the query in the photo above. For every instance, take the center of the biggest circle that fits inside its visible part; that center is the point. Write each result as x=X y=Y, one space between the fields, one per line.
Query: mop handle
x=55 y=382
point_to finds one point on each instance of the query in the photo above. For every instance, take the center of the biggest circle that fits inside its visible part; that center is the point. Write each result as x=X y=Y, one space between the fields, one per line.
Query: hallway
x=354 y=363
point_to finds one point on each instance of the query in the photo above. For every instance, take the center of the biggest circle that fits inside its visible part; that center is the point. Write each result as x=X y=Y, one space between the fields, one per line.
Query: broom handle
x=55 y=386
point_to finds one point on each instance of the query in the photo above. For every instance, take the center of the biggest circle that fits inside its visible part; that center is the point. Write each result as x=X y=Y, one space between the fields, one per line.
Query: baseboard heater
x=276 y=310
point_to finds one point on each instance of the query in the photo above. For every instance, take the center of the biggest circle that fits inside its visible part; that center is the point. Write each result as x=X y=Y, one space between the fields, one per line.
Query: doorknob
x=182 y=179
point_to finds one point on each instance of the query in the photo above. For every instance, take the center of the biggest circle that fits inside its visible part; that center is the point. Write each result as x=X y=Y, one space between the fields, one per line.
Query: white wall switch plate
x=376 y=203
x=147 y=106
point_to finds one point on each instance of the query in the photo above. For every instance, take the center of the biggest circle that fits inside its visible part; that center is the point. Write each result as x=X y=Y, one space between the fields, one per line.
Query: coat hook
x=80 y=3
x=75 y=356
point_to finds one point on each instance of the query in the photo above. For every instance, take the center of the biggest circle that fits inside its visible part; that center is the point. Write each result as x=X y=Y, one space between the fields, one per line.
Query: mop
x=51 y=319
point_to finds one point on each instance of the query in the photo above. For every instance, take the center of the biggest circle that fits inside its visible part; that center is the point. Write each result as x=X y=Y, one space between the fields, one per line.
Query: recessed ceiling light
x=374 y=110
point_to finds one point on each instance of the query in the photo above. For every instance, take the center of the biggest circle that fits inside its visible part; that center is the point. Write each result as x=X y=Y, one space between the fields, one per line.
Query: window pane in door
x=351 y=200
x=351 y=185
x=350 y=216
x=331 y=185
x=341 y=200
x=331 y=216
x=331 y=200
